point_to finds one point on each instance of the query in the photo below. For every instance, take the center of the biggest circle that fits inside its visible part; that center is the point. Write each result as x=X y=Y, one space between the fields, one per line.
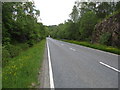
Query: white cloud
x=53 y=12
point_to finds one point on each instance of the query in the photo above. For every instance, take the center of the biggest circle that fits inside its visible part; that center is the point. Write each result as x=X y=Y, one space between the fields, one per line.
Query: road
x=75 y=66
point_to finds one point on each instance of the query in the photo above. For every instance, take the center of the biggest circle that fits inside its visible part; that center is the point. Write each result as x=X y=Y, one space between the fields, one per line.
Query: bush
x=9 y=51
x=5 y=56
x=24 y=46
x=30 y=43
x=13 y=50
x=104 y=38
x=23 y=70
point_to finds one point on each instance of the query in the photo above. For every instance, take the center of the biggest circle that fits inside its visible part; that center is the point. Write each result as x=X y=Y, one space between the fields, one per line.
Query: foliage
x=104 y=39
x=20 y=23
x=22 y=71
x=23 y=46
x=20 y=28
x=5 y=56
x=13 y=50
x=87 y=23
x=83 y=18
x=75 y=14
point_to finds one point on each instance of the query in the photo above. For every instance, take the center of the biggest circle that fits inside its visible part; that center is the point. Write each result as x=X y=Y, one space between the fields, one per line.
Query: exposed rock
x=110 y=25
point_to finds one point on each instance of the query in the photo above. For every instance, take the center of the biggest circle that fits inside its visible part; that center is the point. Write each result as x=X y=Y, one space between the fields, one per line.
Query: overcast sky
x=53 y=12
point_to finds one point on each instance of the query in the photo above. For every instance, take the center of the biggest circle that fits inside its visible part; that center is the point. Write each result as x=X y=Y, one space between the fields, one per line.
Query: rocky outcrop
x=110 y=25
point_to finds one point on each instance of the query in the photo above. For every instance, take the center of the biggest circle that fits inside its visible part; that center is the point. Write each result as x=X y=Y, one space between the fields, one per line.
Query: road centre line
x=93 y=49
x=72 y=49
x=50 y=69
x=62 y=44
x=110 y=67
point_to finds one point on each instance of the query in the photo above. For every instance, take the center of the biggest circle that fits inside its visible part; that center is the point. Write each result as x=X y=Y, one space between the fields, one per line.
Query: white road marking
x=50 y=68
x=62 y=44
x=109 y=67
x=72 y=49
x=93 y=49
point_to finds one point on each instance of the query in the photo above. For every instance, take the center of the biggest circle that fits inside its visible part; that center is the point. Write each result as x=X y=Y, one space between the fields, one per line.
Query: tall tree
x=20 y=22
x=75 y=14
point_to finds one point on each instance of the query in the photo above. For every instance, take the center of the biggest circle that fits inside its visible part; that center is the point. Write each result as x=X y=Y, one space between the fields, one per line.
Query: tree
x=87 y=23
x=75 y=14
x=20 y=23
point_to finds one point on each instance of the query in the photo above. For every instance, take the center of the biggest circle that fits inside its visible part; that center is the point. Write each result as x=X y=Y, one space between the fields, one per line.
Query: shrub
x=13 y=50
x=9 y=51
x=5 y=56
x=24 y=46
x=104 y=38
x=30 y=43
x=23 y=70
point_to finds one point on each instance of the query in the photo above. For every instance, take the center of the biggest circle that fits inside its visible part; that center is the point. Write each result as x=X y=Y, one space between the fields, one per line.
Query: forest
x=83 y=21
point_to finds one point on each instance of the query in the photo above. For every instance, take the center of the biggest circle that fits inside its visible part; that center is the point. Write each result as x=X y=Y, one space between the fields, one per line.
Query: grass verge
x=22 y=71
x=96 y=46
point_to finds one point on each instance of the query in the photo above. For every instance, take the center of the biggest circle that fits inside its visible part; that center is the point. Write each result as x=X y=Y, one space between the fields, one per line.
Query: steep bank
x=108 y=31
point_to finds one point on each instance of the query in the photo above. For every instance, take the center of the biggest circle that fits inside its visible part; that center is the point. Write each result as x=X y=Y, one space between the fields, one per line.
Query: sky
x=54 y=12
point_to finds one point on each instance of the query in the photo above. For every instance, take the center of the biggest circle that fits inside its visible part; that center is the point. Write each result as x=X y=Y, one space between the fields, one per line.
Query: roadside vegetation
x=22 y=71
x=96 y=46
x=83 y=26
x=20 y=28
x=23 y=44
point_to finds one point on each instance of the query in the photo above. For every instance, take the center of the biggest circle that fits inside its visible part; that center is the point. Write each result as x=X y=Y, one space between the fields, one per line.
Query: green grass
x=22 y=71
x=96 y=46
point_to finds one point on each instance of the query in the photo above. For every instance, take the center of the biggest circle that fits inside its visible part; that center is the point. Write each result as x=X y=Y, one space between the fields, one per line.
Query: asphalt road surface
x=75 y=66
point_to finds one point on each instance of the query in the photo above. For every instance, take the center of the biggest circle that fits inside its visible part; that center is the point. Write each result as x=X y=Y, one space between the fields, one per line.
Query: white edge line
x=50 y=69
x=109 y=67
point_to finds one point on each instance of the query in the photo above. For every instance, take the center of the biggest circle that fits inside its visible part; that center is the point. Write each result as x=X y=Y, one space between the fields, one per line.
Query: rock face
x=111 y=26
